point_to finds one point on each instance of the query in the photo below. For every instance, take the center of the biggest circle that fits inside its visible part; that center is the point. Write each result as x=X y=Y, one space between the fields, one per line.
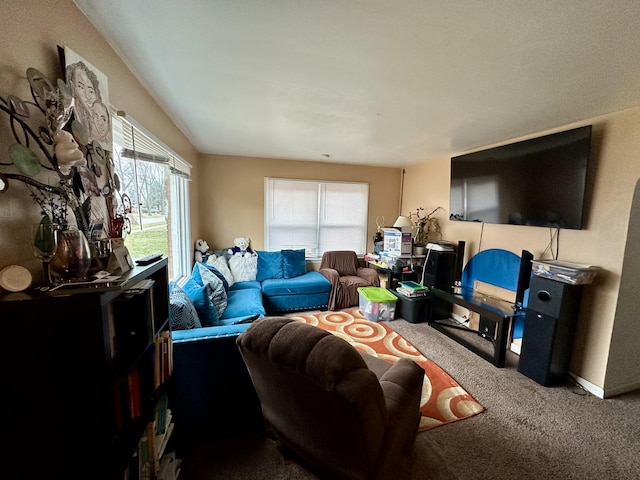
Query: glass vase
x=72 y=257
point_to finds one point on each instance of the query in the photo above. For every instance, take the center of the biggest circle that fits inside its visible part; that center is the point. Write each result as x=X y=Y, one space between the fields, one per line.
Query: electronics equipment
x=549 y=329
x=538 y=182
x=459 y=264
x=524 y=276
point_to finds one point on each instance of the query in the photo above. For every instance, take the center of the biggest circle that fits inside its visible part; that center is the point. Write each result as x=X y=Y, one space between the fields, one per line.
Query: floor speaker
x=439 y=273
x=549 y=328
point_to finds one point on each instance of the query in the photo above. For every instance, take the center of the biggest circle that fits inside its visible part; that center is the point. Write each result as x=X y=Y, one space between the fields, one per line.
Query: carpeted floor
x=443 y=399
x=527 y=431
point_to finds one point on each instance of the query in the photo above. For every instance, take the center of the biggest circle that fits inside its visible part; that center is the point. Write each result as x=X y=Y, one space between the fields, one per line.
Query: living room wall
x=232 y=193
x=606 y=365
x=30 y=32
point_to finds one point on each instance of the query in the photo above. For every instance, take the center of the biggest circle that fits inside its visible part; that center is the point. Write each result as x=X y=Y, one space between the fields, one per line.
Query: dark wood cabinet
x=82 y=375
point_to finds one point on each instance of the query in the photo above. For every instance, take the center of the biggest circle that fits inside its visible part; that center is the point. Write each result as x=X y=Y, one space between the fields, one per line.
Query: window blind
x=139 y=144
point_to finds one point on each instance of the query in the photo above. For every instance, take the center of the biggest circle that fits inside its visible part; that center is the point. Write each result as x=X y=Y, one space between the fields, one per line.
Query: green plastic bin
x=377 y=304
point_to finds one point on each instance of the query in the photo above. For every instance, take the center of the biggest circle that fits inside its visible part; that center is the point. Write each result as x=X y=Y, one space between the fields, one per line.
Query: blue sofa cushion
x=246 y=284
x=244 y=303
x=310 y=282
x=293 y=263
x=269 y=265
x=182 y=312
x=207 y=311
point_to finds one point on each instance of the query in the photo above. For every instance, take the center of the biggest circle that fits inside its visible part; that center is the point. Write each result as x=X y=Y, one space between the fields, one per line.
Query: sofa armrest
x=213 y=395
x=402 y=389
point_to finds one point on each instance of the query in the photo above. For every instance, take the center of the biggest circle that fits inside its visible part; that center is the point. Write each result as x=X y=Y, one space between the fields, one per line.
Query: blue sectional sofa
x=212 y=392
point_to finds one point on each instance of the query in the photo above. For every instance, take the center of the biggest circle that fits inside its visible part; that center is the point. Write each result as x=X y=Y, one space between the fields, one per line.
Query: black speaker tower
x=457 y=268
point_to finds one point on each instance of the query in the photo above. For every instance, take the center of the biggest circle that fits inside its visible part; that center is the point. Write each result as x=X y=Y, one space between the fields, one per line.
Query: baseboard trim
x=588 y=386
x=630 y=387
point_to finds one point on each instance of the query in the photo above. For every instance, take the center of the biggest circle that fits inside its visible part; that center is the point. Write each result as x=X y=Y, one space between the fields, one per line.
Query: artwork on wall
x=90 y=93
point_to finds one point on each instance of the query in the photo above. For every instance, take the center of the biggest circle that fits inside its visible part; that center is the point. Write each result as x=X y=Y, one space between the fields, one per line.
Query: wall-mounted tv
x=538 y=182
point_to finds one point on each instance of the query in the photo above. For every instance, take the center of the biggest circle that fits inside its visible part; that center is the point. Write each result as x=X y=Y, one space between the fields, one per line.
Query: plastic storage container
x=377 y=304
x=565 y=272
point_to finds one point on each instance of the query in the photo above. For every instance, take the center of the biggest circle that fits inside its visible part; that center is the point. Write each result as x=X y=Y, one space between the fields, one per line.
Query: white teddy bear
x=241 y=248
x=202 y=251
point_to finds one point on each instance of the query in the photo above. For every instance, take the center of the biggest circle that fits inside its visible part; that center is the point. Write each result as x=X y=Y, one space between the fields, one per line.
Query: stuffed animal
x=202 y=251
x=241 y=248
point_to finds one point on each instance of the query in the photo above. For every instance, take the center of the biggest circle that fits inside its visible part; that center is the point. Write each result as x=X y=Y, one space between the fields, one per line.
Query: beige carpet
x=443 y=399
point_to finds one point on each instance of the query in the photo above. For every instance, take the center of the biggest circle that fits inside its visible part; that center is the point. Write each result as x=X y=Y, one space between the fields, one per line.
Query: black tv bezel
x=580 y=134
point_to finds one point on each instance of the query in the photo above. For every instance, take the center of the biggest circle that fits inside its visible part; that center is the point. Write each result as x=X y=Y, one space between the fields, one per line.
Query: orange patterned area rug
x=443 y=399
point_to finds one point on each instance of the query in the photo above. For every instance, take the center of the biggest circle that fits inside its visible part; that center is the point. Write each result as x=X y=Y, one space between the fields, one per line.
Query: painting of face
x=91 y=98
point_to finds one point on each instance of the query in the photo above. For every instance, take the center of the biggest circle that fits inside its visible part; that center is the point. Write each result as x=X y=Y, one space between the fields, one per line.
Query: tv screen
x=538 y=182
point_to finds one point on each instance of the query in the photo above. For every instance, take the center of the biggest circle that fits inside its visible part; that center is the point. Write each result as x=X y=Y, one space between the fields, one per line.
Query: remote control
x=154 y=257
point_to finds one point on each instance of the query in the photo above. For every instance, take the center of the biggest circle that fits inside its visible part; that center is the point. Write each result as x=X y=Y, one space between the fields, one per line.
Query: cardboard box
x=397 y=242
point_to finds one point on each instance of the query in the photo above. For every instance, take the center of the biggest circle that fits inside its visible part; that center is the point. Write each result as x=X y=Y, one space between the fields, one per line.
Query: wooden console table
x=491 y=309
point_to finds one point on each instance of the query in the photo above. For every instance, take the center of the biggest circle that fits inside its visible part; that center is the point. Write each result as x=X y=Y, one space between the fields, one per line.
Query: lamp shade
x=403 y=221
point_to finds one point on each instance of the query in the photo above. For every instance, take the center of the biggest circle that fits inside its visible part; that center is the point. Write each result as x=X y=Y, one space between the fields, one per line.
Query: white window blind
x=315 y=215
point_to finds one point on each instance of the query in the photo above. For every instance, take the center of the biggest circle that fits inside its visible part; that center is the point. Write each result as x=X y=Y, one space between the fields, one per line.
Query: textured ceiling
x=374 y=82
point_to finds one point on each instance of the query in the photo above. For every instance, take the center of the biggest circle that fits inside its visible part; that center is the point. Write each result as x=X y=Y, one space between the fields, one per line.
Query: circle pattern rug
x=443 y=399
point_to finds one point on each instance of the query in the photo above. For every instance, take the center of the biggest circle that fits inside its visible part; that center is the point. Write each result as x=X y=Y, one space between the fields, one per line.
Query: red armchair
x=343 y=270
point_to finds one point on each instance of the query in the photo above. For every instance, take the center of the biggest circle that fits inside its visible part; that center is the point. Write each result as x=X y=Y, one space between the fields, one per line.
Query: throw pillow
x=269 y=265
x=223 y=267
x=293 y=263
x=198 y=294
x=243 y=269
x=214 y=285
x=182 y=313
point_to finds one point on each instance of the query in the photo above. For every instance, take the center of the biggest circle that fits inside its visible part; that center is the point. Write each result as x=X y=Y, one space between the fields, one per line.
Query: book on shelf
x=412 y=288
x=169 y=467
x=164 y=358
x=133 y=393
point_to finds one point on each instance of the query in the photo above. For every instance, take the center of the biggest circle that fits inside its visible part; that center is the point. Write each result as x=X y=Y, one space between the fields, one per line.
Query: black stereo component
x=459 y=263
x=439 y=271
x=549 y=326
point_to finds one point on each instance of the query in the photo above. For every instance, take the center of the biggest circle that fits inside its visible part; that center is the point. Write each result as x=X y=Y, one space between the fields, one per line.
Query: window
x=314 y=215
x=156 y=181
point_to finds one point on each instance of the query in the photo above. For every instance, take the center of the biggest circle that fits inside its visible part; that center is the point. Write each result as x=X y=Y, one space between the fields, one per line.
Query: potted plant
x=426 y=228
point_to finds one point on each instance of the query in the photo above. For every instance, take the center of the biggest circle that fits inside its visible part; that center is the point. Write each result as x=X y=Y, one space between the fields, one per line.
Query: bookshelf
x=86 y=376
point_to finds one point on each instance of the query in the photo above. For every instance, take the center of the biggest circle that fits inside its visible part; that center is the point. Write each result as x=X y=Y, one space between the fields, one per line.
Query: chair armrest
x=330 y=274
x=370 y=275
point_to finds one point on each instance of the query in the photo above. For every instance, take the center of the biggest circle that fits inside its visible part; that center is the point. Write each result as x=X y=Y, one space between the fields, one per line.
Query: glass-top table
x=491 y=309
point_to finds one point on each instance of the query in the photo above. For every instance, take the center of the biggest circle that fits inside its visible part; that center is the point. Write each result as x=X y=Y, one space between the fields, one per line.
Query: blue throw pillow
x=293 y=263
x=269 y=265
x=182 y=313
x=199 y=295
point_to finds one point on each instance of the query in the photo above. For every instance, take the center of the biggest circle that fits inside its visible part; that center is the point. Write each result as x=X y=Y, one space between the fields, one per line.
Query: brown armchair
x=342 y=269
x=343 y=414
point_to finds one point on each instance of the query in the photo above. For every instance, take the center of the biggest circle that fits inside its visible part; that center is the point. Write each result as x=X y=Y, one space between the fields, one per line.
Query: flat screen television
x=538 y=182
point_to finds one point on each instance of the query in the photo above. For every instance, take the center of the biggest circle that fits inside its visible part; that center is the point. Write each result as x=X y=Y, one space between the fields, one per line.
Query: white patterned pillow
x=243 y=268
x=215 y=288
x=182 y=312
x=221 y=264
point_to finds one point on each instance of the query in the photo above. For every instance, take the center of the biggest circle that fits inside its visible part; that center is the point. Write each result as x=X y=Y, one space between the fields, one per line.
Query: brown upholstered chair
x=343 y=414
x=344 y=272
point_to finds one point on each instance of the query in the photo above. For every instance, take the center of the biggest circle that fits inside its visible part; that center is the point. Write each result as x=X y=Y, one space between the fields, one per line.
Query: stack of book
x=412 y=289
